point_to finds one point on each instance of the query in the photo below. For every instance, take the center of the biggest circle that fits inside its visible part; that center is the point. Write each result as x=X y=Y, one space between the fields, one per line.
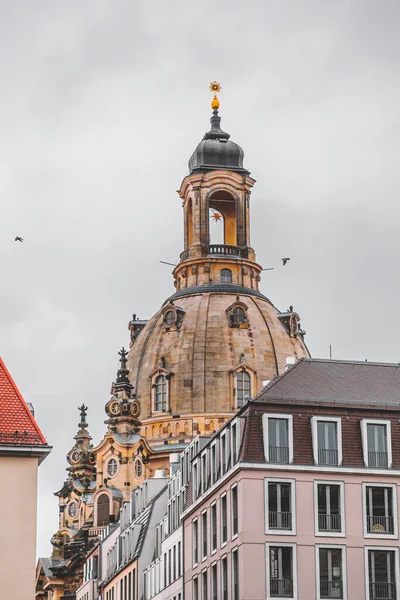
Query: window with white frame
x=377 y=445
x=234 y=442
x=278 y=438
x=195 y=589
x=329 y=508
x=224 y=520
x=214 y=582
x=382 y=573
x=281 y=571
x=204 y=542
x=213 y=527
x=280 y=506
x=234 y=510
x=204 y=577
x=380 y=510
x=235 y=575
x=327 y=440
x=224 y=578
x=195 y=542
x=331 y=572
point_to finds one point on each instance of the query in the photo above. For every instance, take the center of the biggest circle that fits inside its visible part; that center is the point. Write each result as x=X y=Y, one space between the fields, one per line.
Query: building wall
x=251 y=539
x=18 y=503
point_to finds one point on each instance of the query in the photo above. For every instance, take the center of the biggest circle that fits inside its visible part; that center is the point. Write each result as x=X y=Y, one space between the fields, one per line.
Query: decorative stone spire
x=81 y=458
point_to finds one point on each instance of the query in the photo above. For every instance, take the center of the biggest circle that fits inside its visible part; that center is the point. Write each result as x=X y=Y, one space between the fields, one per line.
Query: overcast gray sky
x=102 y=104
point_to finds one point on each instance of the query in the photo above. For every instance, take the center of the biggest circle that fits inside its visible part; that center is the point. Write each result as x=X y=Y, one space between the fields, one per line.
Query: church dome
x=217 y=151
x=201 y=340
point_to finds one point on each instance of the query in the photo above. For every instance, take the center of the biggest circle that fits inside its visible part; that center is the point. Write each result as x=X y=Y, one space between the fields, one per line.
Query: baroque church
x=216 y=340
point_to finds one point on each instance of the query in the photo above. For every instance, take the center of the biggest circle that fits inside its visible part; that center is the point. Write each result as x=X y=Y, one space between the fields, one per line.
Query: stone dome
x=217 y=151
x=203 y=348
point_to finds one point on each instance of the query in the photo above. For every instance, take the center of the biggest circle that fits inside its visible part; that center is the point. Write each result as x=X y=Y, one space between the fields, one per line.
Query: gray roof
x=49 y=563
x=337 y=382
x=132 y=439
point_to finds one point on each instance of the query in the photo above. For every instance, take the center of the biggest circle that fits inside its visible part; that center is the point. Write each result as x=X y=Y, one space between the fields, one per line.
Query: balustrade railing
x=378 y=459
x=281 y=588
x=379 y=524
x=382 y=590
x=224 y=249
x=329 y=522
x=330 y=589
x=280 y=520
x=327 y=457
x=279 y=454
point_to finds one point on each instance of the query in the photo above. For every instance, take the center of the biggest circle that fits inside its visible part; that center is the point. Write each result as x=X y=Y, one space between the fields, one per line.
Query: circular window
x=112 y=467
x=170 y=317
x=138 y=467
x=72 y=509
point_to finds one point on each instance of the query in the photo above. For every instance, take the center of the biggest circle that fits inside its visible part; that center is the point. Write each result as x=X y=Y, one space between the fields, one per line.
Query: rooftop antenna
x=167 y=263
x=268 y=269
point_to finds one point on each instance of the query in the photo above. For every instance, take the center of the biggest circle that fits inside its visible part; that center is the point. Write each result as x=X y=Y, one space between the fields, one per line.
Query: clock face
x=135 y=408
x=115 y=408
x=75 y=456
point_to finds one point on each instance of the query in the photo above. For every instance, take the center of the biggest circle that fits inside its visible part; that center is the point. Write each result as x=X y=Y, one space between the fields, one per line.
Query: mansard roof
x=343 y=382
x=17 y=425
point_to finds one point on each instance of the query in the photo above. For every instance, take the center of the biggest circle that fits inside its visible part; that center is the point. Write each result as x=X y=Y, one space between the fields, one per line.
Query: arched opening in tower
x=222 y=218
x=189 y=224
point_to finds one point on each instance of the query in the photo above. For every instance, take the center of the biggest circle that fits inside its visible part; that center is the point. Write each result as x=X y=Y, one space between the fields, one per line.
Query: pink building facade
x=298 y=495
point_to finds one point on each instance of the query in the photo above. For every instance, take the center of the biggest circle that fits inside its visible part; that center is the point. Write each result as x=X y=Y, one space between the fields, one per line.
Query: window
x=223 y=454
x=243 y=388
x=169 y=566
x=380 y=514
x=377 y=447
x=237 y=316
x=165 y=570
x=204 y=534
x=329 y=508
x=170 y=317
x=214 y=582
x=234 y=443
x=224 y=578
x=224 y=520
x=112 y=467
x=226 y=276
x=235 y=575
x=204 y=585
x=331 y=572
x=234 y=510
x=195 y=589
x=382 y=574
x=179 y=560
x=280 y=514
x=195 y=542
x=281 y=570
x=138 y=467
x=278 y=438
x=103 y=510
x=72 y=509
x=213 y=527
x=327 y=440
x=161 y=393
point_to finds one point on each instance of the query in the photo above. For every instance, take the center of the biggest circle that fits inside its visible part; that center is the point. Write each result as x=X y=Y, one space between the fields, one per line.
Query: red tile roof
x=17 y=425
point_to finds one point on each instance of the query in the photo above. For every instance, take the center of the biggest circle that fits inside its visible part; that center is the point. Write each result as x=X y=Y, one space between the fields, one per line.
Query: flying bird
x=18 y=239
x=285 y=260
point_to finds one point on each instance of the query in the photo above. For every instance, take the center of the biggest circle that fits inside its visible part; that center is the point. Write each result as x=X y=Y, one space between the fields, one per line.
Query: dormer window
x=226 y=276
x=377 y=443
x=238 y=316
x=161 y=393
x=170 y=317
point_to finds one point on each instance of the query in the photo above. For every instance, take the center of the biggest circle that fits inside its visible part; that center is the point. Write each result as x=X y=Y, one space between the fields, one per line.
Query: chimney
x=290 y=361
x=159 y=474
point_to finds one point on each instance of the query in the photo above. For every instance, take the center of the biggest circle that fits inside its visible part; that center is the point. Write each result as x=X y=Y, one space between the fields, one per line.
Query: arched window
x=243 y=388
x=103 y=510
x=226 y=276
x=161 y=393
x=238 y=316
x=170 y=317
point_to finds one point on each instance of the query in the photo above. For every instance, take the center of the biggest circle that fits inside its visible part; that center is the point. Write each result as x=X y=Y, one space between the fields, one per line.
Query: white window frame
x=223 y=544
x=235 y=438
x=213 y=550
x=394 y=549
x=234 y=486
x=344 y=566
x=364 y=437
x=314 y=431
x=292 y=483
x=213 y=564
x=342 y=532
x=280 y=544
x=265 y=418
x=203 y=556
x=194 y=564
x=214 y=466
x=195 y=578
x=383 y=536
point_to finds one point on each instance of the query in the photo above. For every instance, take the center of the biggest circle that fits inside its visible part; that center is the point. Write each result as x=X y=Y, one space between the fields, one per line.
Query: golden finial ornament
x=216 y=88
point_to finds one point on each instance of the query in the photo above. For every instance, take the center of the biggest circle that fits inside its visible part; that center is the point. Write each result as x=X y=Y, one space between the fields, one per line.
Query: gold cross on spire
x=216 y=88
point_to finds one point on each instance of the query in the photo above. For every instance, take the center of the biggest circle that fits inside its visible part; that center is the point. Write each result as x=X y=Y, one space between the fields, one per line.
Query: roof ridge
x=21 y=399
x=351 y=362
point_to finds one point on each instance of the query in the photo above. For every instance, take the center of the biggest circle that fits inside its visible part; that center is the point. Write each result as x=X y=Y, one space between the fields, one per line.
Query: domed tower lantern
x=216 y=194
